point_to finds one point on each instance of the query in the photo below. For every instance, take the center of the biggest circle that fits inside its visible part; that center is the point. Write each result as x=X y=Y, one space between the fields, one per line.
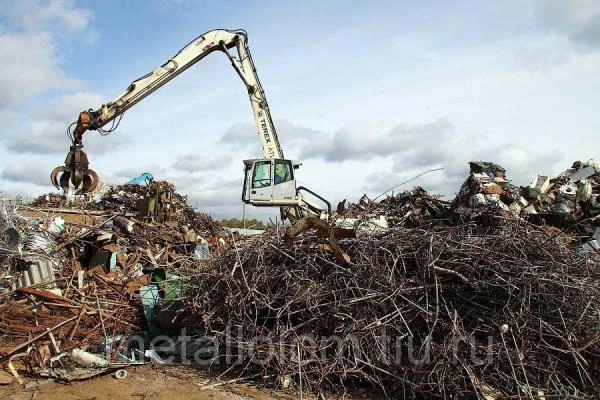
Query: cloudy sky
x=365 y=94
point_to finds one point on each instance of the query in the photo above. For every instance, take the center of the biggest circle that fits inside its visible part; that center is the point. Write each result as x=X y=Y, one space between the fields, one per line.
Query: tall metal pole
x=244 y=215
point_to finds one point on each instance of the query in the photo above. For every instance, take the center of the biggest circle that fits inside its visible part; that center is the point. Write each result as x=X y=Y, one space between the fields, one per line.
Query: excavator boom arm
x=76 y=169
x=196 y=50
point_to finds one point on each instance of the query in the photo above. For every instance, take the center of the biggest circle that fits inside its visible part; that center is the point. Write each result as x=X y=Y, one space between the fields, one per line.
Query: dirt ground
x=144 y=383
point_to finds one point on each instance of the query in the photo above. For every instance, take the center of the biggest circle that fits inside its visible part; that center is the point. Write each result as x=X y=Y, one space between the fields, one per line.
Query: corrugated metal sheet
x=39 y=272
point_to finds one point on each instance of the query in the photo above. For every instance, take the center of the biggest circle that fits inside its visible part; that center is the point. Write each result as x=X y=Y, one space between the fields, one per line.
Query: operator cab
x=270 y=182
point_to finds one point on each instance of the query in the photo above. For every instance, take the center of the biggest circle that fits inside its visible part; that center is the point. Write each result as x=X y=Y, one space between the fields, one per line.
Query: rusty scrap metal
x=506 y=307
x=460 y=281
x=99 y=262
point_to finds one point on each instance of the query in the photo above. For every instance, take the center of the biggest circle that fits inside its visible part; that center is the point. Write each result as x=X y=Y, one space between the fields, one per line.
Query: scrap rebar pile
x=461 y=312
x=79 y=318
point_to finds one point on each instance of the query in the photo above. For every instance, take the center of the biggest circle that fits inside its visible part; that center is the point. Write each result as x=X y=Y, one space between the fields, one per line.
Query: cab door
x=284 y=184
x=261 y=184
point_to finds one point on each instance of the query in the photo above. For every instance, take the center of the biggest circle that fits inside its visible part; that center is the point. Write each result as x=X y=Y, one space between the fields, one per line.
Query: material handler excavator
x=269 y=181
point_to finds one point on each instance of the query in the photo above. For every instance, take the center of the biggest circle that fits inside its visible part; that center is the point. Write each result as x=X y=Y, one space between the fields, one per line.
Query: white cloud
x=67 y=107
x=198 y=162
x=39 y=137
x=29 y=67
x=30 y=50
x=185 y=184
x=8 y=118
x=453 y=154
x=578 y=20
x=568 y=29
x=243 y=136
x=368 y=142
x=224 y=202
x=125 y=175
x=545 y=54
x=40 y=15
x=376 y=114
x=50 y=137
x=38 y=174
x=240 y=134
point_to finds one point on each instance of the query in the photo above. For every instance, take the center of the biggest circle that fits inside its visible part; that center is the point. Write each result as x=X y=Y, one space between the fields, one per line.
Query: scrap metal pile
x=570 y=201
x=466 y=299
x=71 y=290
x=489 y=296
x=442 y=312
x=409 y=208
x=569 y=198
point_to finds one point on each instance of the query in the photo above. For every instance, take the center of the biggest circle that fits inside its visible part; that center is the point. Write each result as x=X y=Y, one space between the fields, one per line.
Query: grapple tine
x=90 y=181
x=95 y=179
x=64 y=181
x=76 y=177
x=54 y=175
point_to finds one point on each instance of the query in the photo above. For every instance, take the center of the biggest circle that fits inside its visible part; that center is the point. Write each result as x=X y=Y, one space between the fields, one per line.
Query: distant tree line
x=239 y=223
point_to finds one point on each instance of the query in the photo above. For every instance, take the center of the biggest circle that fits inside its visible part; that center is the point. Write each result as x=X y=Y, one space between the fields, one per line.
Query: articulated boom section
x=265 y=128
x=272 y=190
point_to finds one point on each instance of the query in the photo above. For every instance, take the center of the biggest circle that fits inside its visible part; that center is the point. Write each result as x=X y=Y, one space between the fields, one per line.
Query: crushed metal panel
x=583 y=173
x=530 y=210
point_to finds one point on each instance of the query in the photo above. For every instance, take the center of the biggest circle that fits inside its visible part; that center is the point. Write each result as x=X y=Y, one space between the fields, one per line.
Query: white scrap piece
x=515 y=208
x=364 y=225
x=482 y=177
x=494 y=201
x=86 y=359
x=541 y=184
x=585 y=190
x=530 y=209
x=505 y=183
x=155 y=357
x=592 y=245
x=523 y=201
x=568 y=190
x=477 y=200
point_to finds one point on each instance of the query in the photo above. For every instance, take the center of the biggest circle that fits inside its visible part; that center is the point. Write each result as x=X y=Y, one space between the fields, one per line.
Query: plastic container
x=87 y=359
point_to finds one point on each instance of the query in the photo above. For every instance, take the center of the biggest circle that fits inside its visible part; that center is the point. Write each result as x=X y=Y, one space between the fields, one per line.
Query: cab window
x=283 y=171
x=262 y=174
